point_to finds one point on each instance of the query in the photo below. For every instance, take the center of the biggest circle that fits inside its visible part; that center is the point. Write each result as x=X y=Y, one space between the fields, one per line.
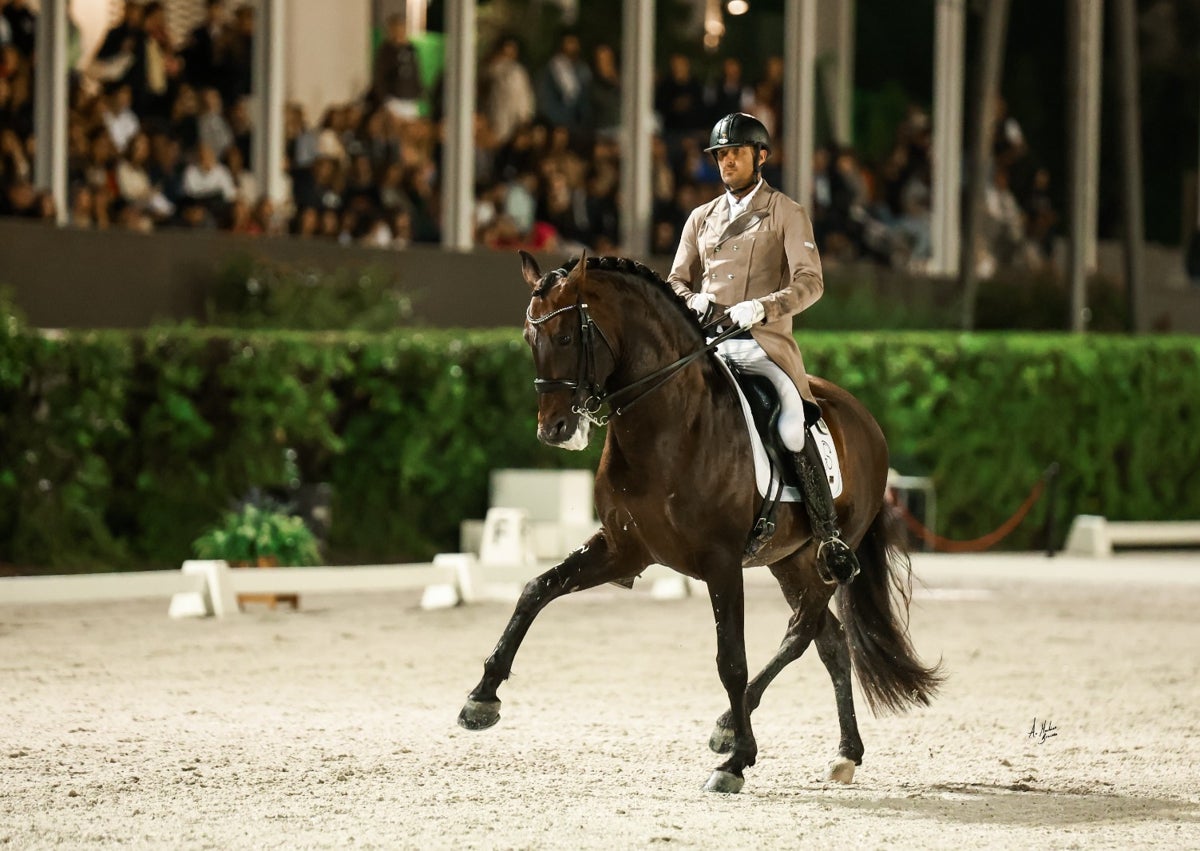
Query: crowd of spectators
x=159 y=136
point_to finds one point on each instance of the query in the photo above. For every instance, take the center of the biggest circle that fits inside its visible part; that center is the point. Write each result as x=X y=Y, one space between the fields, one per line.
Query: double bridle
x=590 y=396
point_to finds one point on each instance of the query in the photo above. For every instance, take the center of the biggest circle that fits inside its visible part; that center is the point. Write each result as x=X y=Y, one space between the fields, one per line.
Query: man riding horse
x=753 y=248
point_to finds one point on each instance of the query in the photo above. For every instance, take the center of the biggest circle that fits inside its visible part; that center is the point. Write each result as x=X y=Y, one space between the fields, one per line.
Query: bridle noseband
x=594 y=396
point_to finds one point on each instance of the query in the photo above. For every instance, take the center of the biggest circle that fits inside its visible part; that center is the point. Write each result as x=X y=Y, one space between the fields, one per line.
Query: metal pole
x=987 y=81
x=844 y=109
x=50 y=105
x=1131 y=156
x=949 y=61
x=637 y=123
x=1086 y=37
x=269 y=85
x=458 y=149
x=799 y=90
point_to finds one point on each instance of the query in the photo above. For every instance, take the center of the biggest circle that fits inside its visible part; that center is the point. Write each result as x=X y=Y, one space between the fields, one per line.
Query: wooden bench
x=1092 y=535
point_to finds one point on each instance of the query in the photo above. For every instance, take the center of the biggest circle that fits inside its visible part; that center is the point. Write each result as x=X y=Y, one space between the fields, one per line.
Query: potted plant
x=260 y=535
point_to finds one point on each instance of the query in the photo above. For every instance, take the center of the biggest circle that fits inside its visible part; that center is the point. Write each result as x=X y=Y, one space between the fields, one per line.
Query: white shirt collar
x=739 y=205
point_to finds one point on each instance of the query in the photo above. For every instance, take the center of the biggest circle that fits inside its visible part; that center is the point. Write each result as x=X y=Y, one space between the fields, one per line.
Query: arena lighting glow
x=737 y=7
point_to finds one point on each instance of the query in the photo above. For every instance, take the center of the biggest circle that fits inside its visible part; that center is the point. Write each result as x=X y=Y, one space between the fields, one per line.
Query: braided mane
x=630 y=270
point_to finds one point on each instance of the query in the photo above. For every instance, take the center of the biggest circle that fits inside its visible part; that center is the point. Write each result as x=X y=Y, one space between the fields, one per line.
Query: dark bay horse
x=675 y=486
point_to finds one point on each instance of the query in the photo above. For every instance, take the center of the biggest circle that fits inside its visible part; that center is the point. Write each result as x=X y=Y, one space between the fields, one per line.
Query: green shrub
x=119 y=449
x=255 y=533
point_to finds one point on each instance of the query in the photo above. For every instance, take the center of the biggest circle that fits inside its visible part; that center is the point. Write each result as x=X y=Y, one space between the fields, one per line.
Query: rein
x=595 y=396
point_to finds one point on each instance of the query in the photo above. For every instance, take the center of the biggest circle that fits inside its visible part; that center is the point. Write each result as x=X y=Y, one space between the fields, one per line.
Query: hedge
x=118 y=448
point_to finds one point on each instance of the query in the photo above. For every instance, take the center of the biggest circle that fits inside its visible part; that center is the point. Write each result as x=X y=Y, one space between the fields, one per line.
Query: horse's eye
x=564 y=340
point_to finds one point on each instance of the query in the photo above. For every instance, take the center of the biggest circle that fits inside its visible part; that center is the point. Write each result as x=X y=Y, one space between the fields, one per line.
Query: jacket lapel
x=748 y=218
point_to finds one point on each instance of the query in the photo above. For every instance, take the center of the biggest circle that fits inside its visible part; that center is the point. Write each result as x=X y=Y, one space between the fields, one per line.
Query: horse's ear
x=530 y=269
x=579 y=273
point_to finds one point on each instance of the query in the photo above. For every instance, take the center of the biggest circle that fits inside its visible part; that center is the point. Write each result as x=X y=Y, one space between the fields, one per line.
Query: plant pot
x=271 y=600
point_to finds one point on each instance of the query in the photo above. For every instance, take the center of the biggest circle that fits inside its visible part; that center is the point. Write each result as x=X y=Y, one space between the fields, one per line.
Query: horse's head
x=570 y=356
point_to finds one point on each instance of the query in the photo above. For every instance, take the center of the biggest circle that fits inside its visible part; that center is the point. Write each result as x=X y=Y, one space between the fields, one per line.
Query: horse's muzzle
x=565 y=432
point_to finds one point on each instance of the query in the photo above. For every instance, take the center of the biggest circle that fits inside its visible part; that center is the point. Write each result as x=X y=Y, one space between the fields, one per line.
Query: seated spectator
x=185 y=118
x=507 y=93
x=119 y=117
x=241 y=127
x=134 y=184
x=166 y=167
x=727 y=93
x=606 y=92
x=83 y=210
x=564 y=87
x=207 y=182
x=244 y=180
x=211 y=127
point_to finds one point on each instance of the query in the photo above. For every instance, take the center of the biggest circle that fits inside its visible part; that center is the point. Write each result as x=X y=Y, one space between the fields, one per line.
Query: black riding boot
x=836 y=562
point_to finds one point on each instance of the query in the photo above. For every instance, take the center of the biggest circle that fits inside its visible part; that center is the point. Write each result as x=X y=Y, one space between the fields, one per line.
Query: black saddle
x=765 y=407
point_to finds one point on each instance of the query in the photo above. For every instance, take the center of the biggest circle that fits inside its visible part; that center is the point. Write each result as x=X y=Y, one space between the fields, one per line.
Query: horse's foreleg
x=835 y=653
x=728 y=601
x=808 y=600
x=795 y=642
x=592 y=564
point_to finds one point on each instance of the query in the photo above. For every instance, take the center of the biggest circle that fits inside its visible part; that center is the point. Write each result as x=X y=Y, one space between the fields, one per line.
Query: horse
x=675 y=486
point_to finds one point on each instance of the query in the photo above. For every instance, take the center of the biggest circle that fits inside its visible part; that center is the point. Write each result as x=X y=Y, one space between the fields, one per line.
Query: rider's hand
x=700 y=303
x=747 y=313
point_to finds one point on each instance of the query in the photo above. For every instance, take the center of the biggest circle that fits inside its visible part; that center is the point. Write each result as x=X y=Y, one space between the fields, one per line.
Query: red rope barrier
x=979 y=544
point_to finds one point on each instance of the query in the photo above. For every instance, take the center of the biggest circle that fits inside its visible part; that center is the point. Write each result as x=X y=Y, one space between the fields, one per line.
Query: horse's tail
x=874 y=610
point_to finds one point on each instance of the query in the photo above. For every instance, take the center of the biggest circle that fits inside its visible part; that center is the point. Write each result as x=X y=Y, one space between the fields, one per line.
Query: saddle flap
x=766 y=409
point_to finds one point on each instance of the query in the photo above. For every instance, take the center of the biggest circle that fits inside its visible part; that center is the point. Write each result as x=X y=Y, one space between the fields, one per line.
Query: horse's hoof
x=721 y=740
x=841 y=770
x=723 y=781
x=479 y=714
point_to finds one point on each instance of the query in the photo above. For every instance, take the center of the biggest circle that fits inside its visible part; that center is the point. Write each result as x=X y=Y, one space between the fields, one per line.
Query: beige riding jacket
x=766 y=253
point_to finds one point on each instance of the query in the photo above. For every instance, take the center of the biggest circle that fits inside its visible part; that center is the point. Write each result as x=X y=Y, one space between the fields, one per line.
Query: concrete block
x=507 y=537
x=556 y=496
x=189 y=604
x=1089 y=537
x=441 y=596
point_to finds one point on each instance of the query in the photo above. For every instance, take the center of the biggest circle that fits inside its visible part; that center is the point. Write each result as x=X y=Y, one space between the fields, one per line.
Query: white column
x=1086 y=37
x=269 y=86
x=637 y=125
x=843 y=116
x=458 y=149
x=948 y=73
x=799 y=90
x=50 y=105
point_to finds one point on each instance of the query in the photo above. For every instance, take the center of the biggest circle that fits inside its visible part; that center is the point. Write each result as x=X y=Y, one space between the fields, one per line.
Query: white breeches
x=749 y=357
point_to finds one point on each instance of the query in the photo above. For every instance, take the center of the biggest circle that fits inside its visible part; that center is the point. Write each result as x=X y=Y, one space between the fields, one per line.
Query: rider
x=753 y=248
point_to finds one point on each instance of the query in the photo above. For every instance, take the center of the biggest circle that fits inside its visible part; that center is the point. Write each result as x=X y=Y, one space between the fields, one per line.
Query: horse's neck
x=668 y=418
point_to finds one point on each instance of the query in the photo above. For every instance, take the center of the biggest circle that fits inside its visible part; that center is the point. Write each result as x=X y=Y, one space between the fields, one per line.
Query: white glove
x=700 y=303
x=747 y=313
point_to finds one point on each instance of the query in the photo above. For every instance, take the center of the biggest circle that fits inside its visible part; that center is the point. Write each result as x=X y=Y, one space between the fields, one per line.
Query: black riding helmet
x=737 y=129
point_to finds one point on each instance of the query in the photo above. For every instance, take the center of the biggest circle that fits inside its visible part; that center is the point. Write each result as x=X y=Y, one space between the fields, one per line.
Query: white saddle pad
x=766 y=479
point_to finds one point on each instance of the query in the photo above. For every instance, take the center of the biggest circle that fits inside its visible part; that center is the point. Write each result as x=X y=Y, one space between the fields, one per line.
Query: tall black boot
x=836 y=562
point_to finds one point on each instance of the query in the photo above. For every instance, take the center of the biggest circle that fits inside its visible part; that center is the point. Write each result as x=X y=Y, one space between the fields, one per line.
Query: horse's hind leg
x=835 y=654
x=808 y=601
x=592 y=564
